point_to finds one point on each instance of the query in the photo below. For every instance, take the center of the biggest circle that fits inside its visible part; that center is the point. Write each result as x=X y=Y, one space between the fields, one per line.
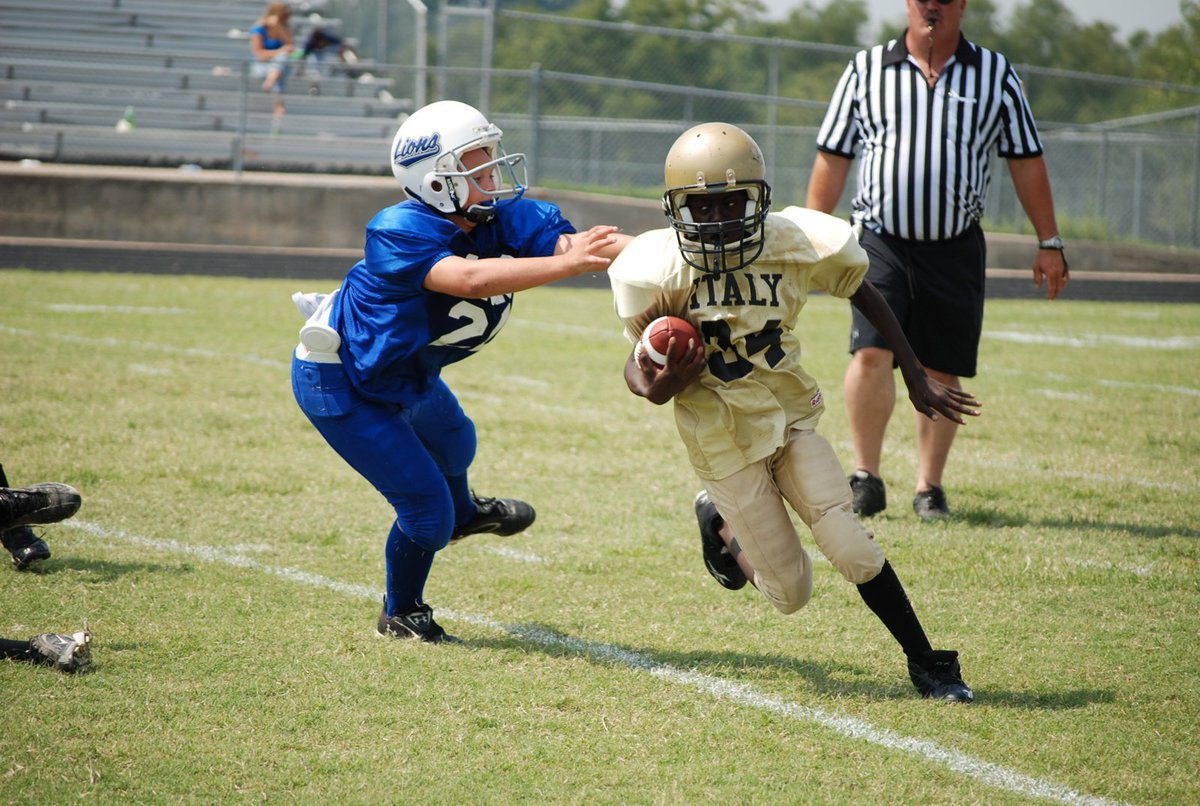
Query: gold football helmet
x=706 y=161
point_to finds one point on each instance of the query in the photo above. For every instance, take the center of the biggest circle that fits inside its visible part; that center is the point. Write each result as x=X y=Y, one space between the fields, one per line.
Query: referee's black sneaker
x=497 y=516
x=719 y=561
x=416 y=623
x=930 y=505
x=937 y=676
x=868 y=493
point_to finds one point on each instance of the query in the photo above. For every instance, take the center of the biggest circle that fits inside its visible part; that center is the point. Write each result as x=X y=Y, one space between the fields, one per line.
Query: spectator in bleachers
x=324 y=45
x=272 y=46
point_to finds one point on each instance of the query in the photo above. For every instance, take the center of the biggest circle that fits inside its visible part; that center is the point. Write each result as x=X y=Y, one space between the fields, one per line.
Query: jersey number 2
x=476 y=325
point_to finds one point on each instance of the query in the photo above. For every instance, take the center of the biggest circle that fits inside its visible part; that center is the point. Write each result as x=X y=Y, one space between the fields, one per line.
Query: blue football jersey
x=396 y=334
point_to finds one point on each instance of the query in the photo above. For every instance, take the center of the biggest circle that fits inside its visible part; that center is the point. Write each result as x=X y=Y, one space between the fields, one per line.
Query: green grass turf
x=229 y=565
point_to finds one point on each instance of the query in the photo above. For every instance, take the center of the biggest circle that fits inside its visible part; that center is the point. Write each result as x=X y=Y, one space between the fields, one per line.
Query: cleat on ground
x=930 y=505
x=937 y=676
x=67 y=653
x=416 y=623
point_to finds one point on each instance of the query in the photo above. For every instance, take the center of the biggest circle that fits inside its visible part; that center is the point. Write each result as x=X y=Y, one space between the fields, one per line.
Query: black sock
x=4 y=510
x=18 y=537
x=17 y=650
x=7 y=516
x=6 y=536
x=886 y=597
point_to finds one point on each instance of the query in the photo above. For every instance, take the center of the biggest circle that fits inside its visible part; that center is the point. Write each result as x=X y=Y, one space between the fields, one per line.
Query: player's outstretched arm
x=610 y=245
x=578 y=253
x=928 y=396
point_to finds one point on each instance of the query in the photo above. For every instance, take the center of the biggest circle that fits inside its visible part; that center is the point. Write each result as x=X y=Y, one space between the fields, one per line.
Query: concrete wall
x=323 y=211
x=220 y=207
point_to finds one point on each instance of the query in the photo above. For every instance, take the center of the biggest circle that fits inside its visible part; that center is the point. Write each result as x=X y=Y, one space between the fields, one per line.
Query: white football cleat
x=67 y=653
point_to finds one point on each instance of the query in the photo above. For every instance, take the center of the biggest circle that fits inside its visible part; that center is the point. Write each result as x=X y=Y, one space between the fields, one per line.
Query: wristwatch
x=1055 y=242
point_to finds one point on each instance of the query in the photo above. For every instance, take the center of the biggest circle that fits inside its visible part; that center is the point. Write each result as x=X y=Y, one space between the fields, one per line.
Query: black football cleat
x=868 y=493
x=719 y=561
x=497 y=516
x=416 y=623
x=937 y=676
x=25 y=547
x=49 y=502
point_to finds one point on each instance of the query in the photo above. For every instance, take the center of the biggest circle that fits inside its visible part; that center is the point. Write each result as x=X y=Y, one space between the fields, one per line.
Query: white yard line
x=994 y=775
x=514 y=554
x=123 y=344
x=1153 y=387
x=1139 y=570
x=61 y=307
x=1033 y=468
x=1096 y=340
x=1059 y=377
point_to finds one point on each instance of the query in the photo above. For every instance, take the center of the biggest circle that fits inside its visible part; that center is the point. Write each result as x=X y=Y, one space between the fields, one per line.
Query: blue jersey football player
x=435 y=285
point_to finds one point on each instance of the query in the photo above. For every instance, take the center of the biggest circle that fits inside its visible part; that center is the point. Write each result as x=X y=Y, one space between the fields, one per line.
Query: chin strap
x=480 y=213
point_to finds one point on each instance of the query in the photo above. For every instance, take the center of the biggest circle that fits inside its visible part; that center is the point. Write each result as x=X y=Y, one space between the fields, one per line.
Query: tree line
x=1042 y=34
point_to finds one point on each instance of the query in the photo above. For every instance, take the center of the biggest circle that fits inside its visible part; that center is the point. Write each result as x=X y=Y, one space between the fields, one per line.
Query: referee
x=924 y=112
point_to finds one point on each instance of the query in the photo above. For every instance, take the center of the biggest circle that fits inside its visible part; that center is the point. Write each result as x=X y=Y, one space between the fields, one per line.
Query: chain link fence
x=597 y=104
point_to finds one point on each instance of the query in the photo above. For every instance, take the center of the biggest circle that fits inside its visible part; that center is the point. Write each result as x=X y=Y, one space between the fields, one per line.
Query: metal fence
x=1123 y=154
x=595 y=104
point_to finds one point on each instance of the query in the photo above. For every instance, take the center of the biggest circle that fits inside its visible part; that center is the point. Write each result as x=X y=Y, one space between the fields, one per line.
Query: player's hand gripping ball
x=657 y=336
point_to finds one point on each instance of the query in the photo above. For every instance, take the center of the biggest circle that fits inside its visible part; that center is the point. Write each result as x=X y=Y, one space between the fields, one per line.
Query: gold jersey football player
x=745 y=408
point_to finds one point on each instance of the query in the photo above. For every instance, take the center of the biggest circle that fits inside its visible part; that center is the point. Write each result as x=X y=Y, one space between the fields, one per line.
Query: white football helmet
x=710 y=159
x=427 y=159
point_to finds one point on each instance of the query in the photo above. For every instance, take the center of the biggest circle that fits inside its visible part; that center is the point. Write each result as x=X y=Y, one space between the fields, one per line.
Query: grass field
x=230 y=566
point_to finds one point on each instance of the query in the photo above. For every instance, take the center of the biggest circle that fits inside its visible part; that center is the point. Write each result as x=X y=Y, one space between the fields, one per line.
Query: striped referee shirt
x=924 y=167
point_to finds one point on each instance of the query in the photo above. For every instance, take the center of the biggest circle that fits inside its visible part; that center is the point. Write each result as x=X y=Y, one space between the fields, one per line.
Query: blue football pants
x=415 y=455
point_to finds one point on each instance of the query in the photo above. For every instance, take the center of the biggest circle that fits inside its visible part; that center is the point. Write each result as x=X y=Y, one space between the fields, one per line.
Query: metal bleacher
x=71 y=70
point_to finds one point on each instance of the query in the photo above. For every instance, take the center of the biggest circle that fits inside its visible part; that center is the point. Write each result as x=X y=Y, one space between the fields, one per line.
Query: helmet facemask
x=716 y=247
x=458 y=180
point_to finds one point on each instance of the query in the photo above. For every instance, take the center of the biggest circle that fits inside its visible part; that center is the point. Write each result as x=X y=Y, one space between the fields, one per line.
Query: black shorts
x=935 y=288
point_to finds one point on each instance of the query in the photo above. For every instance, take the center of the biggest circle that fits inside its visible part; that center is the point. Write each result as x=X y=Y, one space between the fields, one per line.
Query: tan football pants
x=805 y=473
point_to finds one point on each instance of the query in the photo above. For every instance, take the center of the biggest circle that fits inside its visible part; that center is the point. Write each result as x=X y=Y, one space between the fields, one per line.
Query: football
x=657 y=336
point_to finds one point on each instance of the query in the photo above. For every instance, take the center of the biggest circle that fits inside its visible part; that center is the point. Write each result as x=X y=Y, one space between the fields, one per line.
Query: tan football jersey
x=753 y=389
